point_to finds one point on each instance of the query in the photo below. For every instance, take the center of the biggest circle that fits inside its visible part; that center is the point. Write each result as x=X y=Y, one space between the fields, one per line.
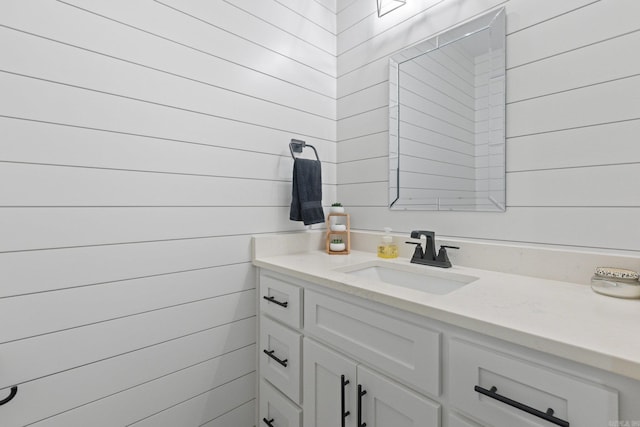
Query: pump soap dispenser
x=387 y=249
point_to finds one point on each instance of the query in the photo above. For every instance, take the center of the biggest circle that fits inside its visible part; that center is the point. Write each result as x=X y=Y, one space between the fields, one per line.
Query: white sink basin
x=410 y=276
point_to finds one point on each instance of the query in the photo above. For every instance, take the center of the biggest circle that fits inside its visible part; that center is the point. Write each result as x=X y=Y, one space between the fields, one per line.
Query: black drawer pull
x=361 y=393
x=268 y=422
x=275 y=301
x=280 y=361
x=343 y=414
x=14 y=391
x=548 y=416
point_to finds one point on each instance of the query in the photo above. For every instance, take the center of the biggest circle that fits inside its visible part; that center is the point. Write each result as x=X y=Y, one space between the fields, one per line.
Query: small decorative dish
x=616 y=282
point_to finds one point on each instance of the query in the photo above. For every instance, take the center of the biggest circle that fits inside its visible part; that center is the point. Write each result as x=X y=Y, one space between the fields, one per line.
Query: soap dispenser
x=387 y=249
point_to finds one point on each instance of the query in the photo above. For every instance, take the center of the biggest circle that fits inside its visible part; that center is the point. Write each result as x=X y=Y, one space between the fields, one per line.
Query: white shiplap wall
x=573 y=119
x=142 y=144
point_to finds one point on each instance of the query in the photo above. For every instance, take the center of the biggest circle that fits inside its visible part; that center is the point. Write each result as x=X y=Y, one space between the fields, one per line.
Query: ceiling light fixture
x=386 y=6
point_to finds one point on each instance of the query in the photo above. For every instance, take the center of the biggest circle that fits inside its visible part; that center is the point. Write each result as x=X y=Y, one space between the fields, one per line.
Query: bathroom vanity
x=339 y=348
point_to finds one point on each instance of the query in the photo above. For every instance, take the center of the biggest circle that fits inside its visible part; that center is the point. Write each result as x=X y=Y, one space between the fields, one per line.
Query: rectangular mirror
x=447 y=120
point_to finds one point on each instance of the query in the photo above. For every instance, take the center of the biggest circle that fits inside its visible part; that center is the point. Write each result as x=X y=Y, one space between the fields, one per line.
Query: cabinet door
x=387 y=403
x=323 y=389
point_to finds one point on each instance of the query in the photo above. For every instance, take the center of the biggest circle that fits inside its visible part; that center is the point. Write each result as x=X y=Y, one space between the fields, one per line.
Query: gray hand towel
x=306 y=203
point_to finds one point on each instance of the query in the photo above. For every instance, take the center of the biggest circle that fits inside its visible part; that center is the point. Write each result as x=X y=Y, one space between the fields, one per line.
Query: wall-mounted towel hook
x=14 y=391
x=296 y=146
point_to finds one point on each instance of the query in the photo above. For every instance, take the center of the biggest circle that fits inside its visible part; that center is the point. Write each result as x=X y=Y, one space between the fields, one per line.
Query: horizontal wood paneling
x=40 y=313
x=37 y=228
x=144 y=143
x=350 y=12
x=366 y=76
x=144 y=19
x=47 y=270
x=584 y=66
x=24 y=360
x=605 y=228
x=117 y=114
x=22 y=92
x=321 y=11
x=611 y=143
x=343 y=4
x=602 y=103
x=572 y=117
x=204 y=407
x=243 y=415
x=369 y=146
x=79 y=186
x=364 y=170
x=221 y=15
x=229 y=373
x=370 y=122
x=373 y=97
x=262 y=155
x=92 y=68
x=524 y=13
x=294 y=23
x=592 y=186
x=608 y=18
x=365 y=194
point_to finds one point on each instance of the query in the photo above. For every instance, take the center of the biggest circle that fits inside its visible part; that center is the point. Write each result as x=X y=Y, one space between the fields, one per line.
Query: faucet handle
x=443 y=257
x=418 y=253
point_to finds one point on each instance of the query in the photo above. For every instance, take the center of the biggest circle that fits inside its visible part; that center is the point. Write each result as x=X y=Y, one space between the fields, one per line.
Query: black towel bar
x=296 y=146
x=12 y=394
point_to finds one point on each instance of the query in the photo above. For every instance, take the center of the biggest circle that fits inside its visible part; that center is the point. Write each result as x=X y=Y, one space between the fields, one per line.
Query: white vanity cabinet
x=414 y=371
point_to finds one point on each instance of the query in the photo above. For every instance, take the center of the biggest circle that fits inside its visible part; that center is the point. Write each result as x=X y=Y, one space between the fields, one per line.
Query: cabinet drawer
x=276 y=410
x=280 y=357
x=401 y=349
x=281 y=300
x=574 y=400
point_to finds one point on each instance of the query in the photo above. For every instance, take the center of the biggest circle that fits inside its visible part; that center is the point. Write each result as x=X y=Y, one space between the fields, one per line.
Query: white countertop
x=560 y=318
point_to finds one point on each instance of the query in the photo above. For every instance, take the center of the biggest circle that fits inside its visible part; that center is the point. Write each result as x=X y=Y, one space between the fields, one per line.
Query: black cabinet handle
x=361 y=393
x=548 y=416
x=275 y=301
x=343 y=414
x=271 y=355
x=268 y=422
x=14 y=391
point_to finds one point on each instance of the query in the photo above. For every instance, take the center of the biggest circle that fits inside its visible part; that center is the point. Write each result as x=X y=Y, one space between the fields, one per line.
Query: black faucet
x=428 y=255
